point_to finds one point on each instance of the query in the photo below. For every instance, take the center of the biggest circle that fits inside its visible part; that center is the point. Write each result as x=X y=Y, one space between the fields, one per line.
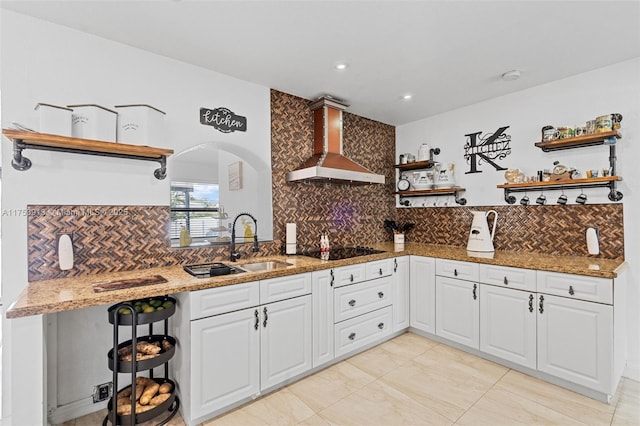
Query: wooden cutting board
x=128 y=283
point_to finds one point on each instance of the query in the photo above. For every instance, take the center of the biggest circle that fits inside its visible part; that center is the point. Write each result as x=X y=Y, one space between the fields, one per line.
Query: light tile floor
x=411 y=380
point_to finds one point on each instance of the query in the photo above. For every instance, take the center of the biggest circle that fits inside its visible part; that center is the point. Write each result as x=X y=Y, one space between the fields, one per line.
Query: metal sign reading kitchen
x=489 y=148
x=223 y=119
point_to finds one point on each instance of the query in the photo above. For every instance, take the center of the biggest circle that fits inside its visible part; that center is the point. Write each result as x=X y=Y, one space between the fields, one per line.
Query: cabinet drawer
x=379 y=268
x=351 y=274
x=517 y=278
x=457 y=269
x=581 y=287
x=357 y=299
x=220 y=300
x=363 y=330
x=281 y=288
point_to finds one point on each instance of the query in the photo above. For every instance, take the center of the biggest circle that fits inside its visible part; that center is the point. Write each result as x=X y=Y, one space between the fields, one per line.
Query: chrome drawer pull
x=352 y=302
x=381 y=325
x=352 y=336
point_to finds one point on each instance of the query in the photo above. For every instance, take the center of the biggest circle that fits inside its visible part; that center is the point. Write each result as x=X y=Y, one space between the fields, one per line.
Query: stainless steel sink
x=268 y=265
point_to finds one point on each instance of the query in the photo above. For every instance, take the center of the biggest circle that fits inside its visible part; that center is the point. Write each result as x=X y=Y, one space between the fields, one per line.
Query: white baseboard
x=74 y=410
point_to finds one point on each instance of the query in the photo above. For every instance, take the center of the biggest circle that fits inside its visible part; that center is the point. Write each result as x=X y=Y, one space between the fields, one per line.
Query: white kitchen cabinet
x=508 y=324
x=285 y=340
x=351 y=274
x=422 y=289
x=360 y=331
x=357 y=299
x=592 y=289
x=225 y=361
x=575 y=341
x=322 y=299
x=274 y=289
x=239 y=352
x=400 y=293
x=458 y=269
x=458 y=311
x=505 y=276
x=379 y=268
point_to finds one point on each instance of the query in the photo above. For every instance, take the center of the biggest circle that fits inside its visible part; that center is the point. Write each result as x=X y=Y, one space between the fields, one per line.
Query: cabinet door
x=458 y=311
x=225 y=360
x=400 y=293
x=322 y=297
x=575 y=341
x=508 y=324
x=285 y=340
x=422 y=289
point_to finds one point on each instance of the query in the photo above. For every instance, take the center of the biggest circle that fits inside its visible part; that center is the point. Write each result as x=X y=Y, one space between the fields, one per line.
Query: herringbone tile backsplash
x=121 y=238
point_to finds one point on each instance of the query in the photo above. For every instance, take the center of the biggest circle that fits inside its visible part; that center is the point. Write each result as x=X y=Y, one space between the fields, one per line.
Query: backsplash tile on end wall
x=113 y=239
x=554 y=230
x=352 y=215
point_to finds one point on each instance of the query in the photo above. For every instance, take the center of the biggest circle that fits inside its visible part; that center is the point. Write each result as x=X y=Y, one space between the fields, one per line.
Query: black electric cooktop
x=337 y=253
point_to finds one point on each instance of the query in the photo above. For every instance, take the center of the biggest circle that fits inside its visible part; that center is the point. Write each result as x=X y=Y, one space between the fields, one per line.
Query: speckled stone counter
x=49 y=296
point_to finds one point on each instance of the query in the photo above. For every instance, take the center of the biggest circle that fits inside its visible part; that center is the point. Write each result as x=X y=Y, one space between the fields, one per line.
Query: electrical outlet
x=102 y=392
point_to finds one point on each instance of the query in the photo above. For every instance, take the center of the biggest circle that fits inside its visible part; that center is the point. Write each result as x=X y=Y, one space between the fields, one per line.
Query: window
x=196 y=207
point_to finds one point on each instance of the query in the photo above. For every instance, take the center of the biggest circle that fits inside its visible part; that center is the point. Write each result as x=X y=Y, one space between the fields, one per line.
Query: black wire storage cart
x=138 y=354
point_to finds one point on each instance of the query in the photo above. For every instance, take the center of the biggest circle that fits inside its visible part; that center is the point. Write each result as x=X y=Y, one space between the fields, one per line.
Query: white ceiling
x=447 y=54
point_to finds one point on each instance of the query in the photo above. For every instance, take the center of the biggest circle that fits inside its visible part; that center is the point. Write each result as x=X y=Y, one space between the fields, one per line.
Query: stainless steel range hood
x=328 y=164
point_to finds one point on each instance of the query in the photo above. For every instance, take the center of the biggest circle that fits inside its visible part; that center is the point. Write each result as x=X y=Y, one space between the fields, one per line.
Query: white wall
x=42 y=62
x=569 y=101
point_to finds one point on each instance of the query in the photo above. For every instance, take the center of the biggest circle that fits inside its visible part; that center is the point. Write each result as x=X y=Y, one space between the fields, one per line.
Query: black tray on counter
x=213 y=269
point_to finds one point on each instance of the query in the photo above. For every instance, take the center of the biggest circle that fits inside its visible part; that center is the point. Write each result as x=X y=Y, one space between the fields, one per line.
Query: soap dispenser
x=248 y=233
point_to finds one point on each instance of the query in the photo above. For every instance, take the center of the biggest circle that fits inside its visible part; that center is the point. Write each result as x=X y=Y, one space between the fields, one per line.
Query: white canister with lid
x=423 y=152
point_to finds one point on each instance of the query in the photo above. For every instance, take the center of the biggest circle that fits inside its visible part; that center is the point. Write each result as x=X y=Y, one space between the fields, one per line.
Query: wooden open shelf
x=455 y=190
x=436 y=191
x=561 y=183
x=43 y=141
x=578 y=141
x=427 y=164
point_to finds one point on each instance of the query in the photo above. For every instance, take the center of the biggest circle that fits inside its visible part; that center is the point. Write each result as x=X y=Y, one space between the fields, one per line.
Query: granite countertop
x=64 y=294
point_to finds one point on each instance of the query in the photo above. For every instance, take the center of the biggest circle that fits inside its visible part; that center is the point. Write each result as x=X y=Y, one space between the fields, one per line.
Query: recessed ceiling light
x=407 y=97
x=511 y=75
x=341 y=66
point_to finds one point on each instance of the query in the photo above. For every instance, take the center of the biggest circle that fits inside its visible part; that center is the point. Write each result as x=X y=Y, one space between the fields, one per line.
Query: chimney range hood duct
x=328 y=164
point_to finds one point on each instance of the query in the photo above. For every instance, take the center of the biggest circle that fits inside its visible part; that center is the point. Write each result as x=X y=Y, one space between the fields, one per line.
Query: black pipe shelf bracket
x=45 y=142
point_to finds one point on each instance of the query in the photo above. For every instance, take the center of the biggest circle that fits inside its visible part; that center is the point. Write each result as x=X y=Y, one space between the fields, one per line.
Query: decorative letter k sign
x=489 y=148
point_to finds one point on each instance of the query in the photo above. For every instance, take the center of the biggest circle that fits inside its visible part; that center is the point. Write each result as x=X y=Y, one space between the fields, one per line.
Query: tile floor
x=411 y=380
